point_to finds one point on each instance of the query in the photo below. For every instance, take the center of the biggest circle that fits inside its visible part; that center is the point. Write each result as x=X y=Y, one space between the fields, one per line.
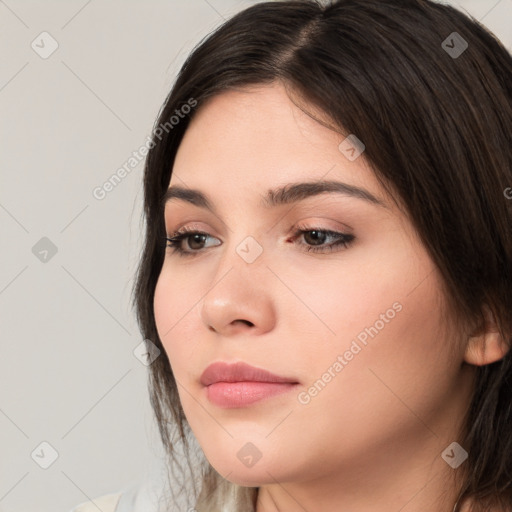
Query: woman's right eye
x=194 y=239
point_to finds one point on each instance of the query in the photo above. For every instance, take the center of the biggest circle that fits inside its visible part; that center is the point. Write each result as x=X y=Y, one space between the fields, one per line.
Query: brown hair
x=437 y=127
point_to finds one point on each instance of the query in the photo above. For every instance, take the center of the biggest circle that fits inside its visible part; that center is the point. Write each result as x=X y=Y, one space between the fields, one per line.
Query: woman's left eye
x=315 y=239
x=318 y=237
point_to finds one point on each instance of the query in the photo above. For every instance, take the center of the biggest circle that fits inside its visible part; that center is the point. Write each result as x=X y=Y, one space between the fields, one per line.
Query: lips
x=239 y=372
x=240 y=385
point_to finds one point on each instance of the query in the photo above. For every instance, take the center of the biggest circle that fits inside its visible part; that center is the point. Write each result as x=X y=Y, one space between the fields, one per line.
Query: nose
x=239 y=300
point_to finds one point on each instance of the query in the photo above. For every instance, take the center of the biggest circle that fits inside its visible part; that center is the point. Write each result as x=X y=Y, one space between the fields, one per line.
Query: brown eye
x=315 y=239
x=195 y=241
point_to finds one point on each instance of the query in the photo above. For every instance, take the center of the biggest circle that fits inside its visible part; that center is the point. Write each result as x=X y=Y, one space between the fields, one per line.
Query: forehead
x=258 y=136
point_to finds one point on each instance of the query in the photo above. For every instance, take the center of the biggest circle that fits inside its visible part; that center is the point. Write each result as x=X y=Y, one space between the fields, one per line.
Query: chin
x=248 y=478
x=261 y=473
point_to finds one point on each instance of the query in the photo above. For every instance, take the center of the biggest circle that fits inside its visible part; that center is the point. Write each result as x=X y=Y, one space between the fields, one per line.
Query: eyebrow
x=289 y=193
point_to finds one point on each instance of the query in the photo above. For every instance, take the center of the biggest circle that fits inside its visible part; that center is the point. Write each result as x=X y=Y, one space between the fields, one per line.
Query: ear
x=485 y=345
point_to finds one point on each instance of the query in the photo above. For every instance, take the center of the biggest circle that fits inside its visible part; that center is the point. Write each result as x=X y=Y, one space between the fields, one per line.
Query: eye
x=195 y=240
x=315 y=239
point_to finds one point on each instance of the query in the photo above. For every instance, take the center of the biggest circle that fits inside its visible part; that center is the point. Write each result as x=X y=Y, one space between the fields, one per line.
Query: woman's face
x=333 y=292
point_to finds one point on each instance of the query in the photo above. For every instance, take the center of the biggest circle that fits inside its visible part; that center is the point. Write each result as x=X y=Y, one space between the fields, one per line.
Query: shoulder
x=106 y=503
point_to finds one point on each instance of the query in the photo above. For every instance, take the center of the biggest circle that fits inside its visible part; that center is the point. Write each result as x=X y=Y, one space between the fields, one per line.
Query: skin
x=372 y=438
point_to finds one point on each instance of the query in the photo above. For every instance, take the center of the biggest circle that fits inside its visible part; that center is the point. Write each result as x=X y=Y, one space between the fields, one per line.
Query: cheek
x=390 y=349
x=337 y=301
x=176 y=305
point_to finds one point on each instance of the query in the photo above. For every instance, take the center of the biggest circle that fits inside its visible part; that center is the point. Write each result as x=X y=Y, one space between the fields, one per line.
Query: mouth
x=239 y=385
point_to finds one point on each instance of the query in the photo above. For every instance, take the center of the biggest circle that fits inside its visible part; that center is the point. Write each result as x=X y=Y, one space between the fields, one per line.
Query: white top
x=107 y=503
x=159 y=490
x=134 y=499
x=139 y=496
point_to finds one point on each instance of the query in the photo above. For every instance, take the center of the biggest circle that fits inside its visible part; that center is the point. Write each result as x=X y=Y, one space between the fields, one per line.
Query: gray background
x=68 y=122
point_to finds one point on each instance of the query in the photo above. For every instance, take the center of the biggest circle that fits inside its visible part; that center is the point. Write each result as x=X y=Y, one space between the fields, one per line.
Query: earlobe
x=485 y=345
x=485 y=349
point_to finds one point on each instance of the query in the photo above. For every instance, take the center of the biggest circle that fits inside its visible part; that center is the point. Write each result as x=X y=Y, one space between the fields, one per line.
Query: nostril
x=246 y=322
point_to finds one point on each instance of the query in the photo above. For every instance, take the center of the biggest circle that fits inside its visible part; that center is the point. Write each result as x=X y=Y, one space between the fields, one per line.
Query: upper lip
x=239 y=372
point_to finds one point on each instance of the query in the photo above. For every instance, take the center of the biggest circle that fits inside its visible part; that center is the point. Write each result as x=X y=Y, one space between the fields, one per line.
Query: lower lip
x=230 y=395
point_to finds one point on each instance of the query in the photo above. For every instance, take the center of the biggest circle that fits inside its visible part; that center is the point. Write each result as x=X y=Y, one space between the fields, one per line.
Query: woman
x=327 y=267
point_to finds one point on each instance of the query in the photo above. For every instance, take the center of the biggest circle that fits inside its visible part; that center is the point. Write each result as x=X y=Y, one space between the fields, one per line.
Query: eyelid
x=304 y=223
x=188 y=226
x=312 y=222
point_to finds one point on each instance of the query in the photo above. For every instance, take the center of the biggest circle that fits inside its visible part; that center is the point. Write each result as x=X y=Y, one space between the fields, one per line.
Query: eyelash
x=344 y=240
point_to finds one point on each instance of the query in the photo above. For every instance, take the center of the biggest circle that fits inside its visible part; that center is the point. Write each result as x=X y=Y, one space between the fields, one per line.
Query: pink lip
x=239 y=384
